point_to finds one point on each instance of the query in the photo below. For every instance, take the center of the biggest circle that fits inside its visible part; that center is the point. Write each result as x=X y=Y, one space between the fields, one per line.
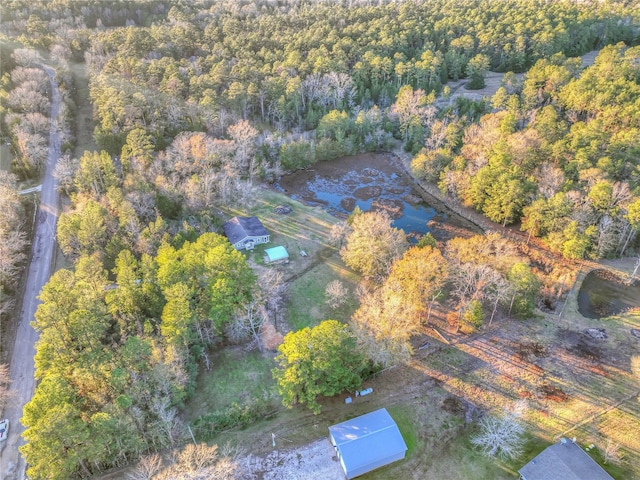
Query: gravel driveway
x=311 y=462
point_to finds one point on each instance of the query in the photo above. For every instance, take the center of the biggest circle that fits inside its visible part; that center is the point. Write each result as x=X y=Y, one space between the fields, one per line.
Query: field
x=84 y=113
x=573 y=385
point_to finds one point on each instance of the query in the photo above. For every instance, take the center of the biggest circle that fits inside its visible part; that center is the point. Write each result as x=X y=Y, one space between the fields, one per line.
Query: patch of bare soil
x=553 y=393
x=526 y=350
x=587 y=350
x=454 y=406
x=316 y=460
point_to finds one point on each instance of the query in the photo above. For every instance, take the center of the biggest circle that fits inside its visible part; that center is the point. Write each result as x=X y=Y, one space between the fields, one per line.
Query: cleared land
x=574 y=384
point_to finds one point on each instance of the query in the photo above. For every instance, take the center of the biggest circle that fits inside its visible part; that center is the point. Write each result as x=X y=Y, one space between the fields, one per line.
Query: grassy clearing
x=304 y=228
x=5 y=158
x=84 y=110
x=235 y=377
x=307 y=305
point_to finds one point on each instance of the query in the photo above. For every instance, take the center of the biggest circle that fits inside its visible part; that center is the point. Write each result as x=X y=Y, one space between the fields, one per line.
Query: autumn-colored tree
x=373 y=244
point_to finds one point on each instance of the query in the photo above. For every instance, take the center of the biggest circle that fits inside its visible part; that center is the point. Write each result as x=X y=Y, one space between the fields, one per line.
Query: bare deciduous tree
x=147 y=467
x=254 y=315
x=168 y=421
x=65 y=172
x=26 y=57
x=500 y=436
x=338 y=233
x=336 y=293
x=244 y=137
x=203 y=462
x=12 y=246
x=612 y=453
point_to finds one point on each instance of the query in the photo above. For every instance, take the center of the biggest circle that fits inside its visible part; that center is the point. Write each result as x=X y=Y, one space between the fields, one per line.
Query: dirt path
x=492 y=82
x=12 y=465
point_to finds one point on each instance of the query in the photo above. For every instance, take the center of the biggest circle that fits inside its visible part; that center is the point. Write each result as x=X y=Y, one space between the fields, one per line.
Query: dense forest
x=195 y=103
x=559 y=155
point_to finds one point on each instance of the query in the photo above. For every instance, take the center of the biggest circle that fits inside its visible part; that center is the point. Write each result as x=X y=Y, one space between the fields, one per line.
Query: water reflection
x=370 y=188
x=602 y=294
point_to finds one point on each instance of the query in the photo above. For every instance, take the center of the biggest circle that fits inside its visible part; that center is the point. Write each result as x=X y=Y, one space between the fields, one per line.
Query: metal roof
x=276 y=253
x=365 y=439
x=563 y=461
x=239 y=228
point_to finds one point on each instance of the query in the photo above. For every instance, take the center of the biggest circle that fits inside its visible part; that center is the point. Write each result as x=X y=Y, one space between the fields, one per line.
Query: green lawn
x=235 y=377
x=307 y=304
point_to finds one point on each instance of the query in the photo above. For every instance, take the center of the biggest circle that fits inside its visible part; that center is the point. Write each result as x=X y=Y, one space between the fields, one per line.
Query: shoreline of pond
x=355 y=184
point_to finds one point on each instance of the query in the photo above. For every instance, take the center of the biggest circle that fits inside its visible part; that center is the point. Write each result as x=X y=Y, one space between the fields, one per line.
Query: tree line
x=117 y=358
x=286 y=64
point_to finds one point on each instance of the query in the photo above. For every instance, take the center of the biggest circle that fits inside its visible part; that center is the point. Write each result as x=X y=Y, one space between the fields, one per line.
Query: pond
x=603 y=294
x=369 y=181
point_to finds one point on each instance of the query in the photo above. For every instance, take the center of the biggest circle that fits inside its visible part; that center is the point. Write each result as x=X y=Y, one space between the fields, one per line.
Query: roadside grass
x=236 y=376
x=5 y=158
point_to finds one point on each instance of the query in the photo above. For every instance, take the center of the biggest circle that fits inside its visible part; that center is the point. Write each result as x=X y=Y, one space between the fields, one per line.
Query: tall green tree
x=318 y=361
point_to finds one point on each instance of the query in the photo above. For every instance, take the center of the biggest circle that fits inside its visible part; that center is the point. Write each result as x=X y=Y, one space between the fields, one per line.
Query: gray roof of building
x=238 y=228
x=368 y=438
x=563 y=461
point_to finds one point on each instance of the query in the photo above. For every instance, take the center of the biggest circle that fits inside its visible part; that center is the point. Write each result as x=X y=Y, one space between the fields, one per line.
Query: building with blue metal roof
x=367 y=442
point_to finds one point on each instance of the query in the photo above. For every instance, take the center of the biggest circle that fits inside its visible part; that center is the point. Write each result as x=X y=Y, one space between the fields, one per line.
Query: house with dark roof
x=245 y=232
x=563 y=461
x=367 y=442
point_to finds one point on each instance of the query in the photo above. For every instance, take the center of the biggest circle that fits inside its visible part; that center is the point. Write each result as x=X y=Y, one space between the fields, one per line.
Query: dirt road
x=12 y=465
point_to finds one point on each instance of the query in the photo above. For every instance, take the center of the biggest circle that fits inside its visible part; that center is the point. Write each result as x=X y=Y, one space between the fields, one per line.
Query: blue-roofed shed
x=367 y=442
x=276 y=254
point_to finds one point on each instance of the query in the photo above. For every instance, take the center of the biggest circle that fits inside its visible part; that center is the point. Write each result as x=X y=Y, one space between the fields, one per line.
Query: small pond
x=368 y=181
x=603 y=294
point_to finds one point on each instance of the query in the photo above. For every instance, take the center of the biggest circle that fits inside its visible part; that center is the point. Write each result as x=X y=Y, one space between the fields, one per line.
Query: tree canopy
x=319 y=361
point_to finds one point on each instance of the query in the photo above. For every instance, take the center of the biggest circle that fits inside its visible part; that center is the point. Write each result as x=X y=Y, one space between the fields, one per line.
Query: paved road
x=12 y=465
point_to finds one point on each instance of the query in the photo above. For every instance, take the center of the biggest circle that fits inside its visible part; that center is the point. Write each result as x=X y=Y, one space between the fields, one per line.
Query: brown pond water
x=603 y=294
x=369 y=181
